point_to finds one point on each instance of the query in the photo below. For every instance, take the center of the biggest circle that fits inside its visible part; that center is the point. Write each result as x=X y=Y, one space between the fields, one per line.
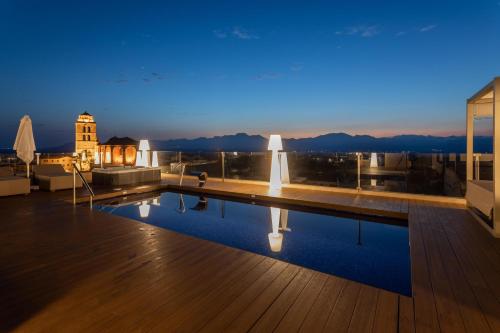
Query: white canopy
x=485 y=197
x=25 y=143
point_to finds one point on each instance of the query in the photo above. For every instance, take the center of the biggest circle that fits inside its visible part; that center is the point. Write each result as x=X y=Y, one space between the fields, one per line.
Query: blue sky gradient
x=189 y=69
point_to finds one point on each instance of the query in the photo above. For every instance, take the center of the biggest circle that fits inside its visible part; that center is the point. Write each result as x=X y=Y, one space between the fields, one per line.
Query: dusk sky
x=189 y=69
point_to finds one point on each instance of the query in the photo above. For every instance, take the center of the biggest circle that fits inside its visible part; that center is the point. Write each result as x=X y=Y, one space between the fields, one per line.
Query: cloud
x=360 y=30
x=235 y=32
x=267 y=76
x=427 y=28
x=400 y=33
x=220 y=34
x=296 y=67
x=146 y=80
x=121 y=81
x=243 y=34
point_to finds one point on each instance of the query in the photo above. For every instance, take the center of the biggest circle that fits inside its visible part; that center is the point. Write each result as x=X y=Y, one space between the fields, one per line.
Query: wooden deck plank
x=472 y=316
x=208 y=306
x=341 y=314
x=240 y=303
x=406 y=319
x=488 y=303
x=295 y=316
x=364 y=311
x=273 y=315
x=447 y=308
x=426 y=319
x=245 y=320
x=386 y=314
x=319 y=313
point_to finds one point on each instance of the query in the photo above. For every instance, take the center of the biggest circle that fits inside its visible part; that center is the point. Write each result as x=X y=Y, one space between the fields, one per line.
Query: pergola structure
x=483 y=196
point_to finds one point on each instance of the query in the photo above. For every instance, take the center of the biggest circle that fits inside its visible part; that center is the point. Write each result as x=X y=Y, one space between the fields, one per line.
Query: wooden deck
x=66 y=269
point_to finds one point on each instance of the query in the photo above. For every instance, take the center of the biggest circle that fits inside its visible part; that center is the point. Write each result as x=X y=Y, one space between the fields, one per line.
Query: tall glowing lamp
x=154 y=162
x=138 y=159
x=275 y=145
x=373 y=160
x=144 y=148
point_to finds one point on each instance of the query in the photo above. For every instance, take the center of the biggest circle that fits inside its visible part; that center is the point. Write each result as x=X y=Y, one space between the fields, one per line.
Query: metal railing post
x=223 y=155
x=476 y=162
x=74 y=184
x=358 y=155
x=84 y=182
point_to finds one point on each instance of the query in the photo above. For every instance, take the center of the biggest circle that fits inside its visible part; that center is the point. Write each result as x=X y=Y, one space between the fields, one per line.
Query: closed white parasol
x=25 y=143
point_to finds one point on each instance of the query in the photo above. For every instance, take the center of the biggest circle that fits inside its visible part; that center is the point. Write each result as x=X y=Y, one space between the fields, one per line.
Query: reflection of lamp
x=373 y=161
x=275 y=238
x=156 y=202
x=108 y=157
x=373 y=182
x=144 y=209
x=284 y=220
x=84 y=155
x=154 y=163
x=144 y=147
x=275 y=145
x=97 y=158
x=138 y=159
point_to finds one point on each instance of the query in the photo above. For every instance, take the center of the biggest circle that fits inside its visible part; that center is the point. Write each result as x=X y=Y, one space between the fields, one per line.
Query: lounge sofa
x=12 y=185
x=52 y=177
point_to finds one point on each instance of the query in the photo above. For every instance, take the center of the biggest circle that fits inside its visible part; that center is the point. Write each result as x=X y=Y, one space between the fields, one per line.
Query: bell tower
x=86 y=136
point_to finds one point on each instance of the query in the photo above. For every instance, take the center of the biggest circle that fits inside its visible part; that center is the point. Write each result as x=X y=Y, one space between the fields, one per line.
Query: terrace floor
x=65 y=268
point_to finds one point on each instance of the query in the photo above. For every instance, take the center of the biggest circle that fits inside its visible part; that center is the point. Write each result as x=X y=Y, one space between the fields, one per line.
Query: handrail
x=84 y=182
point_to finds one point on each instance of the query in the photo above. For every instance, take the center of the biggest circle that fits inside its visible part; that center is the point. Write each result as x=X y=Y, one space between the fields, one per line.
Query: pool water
x=351 y=247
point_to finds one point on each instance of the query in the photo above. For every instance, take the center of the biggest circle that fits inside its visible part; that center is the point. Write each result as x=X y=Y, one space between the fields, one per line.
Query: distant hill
x=333 y=142
x=64 y=148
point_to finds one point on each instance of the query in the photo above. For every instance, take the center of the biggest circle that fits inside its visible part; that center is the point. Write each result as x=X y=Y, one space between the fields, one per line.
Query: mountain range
x=333 y=142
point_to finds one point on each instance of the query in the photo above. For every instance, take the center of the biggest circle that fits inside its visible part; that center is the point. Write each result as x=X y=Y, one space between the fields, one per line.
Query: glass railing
x=419 y=173
x=407 y=172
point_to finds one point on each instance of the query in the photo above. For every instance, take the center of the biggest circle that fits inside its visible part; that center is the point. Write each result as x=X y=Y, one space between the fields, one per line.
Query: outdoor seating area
x=54 y=178
x=11 y=184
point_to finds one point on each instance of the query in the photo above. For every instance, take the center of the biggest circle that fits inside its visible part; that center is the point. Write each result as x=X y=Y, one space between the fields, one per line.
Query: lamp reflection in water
x=144 y=209
x=275 y=237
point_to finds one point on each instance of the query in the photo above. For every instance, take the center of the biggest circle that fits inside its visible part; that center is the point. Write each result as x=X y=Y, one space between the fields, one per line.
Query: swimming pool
x=370 y=251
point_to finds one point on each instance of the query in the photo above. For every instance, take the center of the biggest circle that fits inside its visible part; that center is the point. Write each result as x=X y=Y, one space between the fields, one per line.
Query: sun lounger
x=52 y=177
x=12 y=185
